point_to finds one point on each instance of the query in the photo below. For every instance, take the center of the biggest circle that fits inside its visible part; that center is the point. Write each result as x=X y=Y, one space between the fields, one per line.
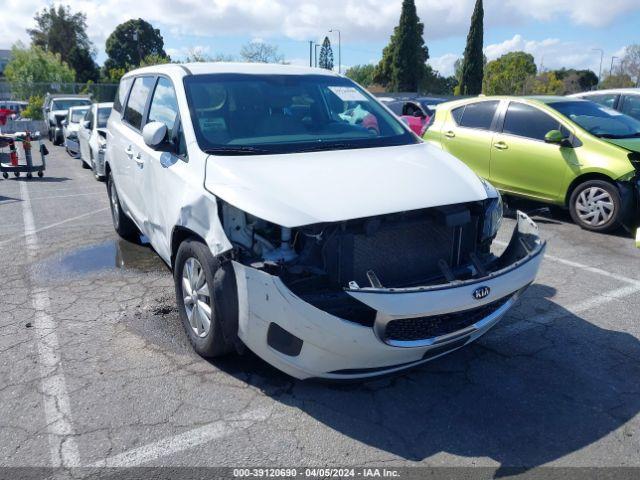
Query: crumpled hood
x=306 y=188
x=632 y=144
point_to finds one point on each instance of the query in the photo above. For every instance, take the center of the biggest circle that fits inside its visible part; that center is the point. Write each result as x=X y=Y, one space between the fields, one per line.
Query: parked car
x=70 y=127
x=14 y=106
x=326 y=249
x=558 y=150
x=93 y=137
x=624 y=100
x=55 y=108
x=415 y=112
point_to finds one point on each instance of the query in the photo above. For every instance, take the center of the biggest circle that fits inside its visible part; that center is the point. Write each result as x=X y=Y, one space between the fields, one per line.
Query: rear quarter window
x=479 y=115
x=134 y=111
x=121 y=94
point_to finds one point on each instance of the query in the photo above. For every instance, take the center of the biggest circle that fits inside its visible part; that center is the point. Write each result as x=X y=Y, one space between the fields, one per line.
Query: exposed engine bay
x=409 y=249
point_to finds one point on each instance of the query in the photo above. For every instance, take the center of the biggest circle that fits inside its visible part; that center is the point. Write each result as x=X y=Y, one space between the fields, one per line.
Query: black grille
x=410 y=329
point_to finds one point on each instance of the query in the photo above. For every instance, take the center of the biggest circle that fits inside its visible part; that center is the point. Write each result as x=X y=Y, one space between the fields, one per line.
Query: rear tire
x=122 y=224
x=596 y=205
x=193 y=274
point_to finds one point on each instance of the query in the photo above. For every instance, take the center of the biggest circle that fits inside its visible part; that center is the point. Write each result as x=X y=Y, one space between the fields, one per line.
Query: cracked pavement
x=555 y=383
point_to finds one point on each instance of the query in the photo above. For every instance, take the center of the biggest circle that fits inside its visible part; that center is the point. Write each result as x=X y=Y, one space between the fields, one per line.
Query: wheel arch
x=585 y=177
x=180 y=234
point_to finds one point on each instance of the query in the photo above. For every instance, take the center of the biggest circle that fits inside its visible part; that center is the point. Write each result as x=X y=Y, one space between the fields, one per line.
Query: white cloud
x=359 y=20
x=444 y=64
x=551 y=53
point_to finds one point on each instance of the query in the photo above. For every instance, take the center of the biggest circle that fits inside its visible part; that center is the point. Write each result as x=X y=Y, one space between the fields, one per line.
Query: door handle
x=129 y=151
x=449 y=134
x=139 y=160
x=501 y=145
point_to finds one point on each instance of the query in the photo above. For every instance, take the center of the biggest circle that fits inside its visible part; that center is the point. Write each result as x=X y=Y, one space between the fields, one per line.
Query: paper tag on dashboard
x=348 y=94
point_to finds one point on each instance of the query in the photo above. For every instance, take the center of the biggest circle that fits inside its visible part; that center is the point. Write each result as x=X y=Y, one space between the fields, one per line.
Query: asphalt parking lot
x=95 y=369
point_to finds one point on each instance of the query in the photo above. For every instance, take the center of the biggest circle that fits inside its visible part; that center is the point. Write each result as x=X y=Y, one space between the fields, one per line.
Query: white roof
x=202 y=68
x=611 y=90
x=105 y=105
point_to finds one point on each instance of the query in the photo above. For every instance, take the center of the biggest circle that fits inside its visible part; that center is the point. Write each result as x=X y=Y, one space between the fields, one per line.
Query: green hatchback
x=557 y=150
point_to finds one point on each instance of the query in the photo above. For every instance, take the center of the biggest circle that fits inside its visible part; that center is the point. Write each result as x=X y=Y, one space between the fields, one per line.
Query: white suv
x=331 y=246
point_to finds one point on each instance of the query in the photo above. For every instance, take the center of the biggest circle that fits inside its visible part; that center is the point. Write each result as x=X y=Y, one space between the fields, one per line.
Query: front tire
x=193 y=275
x=122 y=224
x=596 y=205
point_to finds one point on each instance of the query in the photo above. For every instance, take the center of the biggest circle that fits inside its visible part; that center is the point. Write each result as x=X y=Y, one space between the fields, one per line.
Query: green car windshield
x=599 y=120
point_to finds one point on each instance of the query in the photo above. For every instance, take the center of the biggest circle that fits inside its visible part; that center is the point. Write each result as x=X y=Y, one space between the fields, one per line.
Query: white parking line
x=53 y=225
x=68 y=196
x=62 y=446
x=582 y=266
x=184 y=441
x=560 y=311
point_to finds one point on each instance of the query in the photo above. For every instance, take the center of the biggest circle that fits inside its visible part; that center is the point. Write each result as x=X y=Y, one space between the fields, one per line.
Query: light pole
x=316 y=53
x=611 y=69
x=601 y=57
x=339 y=48
x=311 y=53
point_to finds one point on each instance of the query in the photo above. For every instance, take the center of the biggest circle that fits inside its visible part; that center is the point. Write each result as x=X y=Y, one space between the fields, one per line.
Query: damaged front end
x=415 y=279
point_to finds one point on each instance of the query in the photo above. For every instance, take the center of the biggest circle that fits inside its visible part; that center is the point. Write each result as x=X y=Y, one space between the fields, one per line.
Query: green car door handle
x=449 y=134
x=501 y=145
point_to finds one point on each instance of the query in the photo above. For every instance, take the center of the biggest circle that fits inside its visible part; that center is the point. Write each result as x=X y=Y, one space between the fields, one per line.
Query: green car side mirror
x=554 y=136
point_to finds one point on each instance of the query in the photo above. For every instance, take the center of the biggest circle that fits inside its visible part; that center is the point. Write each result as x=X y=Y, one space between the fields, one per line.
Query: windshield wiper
x=330 y=146
x=235 y=150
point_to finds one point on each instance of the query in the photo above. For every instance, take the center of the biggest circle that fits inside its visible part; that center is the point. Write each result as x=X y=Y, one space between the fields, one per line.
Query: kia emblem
x=481 y=292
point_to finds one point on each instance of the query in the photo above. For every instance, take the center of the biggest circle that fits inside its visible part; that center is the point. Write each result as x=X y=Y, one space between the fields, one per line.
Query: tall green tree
x=326 y=55
x=62 y=32
x=131 y=42
x=509 y=74
x=472 y=69
x=29 y=67
x=362 y=74
x=403 y=65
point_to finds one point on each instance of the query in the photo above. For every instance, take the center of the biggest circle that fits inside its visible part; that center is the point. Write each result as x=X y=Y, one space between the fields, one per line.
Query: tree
x=631 y=63
x=326 y=55
x=617 y=80
x=576 y=80
x=508 y=75
x=403 y=65
x=64 y=33
x=434 y=83
x=362 y=74
x=154 y=59
x=472 y=69
x=196 y=55
x=29 y=66
x=547 y=83
x=260 y=52
x=124 y=51
x=34 y=109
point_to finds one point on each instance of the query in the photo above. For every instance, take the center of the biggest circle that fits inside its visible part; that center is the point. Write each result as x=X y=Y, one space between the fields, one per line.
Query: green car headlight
x=493 y=213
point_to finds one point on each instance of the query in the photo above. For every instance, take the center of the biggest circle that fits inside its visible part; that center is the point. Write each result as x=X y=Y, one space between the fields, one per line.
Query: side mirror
x=154 y=134
x=554 y=136
x=86 y=124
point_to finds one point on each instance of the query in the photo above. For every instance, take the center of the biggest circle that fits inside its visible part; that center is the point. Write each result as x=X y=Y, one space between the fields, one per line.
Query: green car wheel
x=596 y=205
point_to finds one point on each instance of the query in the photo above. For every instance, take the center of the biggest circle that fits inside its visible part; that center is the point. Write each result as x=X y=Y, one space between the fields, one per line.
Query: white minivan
x=330 y=246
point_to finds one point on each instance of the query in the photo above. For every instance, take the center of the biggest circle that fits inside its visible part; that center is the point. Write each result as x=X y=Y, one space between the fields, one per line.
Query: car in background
x=92 y=137
x=326 y=248
x=14 y=106
x=55 y=108
x=564 y=151
x=624 y=100
x=415 y=112
x=70 y=126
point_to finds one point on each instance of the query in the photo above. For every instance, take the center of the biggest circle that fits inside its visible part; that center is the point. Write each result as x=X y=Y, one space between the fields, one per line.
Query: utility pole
x=601 y=57
x=316 y=55
x=339 y=48
x=311 y=53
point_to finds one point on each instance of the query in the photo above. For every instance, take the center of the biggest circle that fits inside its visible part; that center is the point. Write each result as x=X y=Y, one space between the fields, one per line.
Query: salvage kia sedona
x=327 y=248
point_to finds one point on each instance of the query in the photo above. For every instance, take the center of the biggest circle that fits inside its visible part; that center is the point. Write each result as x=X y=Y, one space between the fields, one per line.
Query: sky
x=559 y=33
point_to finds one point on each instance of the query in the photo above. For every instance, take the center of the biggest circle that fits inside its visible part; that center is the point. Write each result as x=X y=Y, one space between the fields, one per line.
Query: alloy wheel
x=595 y=206
x=196 y=297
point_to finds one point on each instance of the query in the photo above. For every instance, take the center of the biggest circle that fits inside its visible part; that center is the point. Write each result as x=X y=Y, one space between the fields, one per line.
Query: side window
x=121 y=94
x=608 y=100
x=631 y=106
x=479 y=115
x=527 y=121
x=164 y=105
x=395 y=107
x=134 y=110
x=89 y=118
x=456 y=113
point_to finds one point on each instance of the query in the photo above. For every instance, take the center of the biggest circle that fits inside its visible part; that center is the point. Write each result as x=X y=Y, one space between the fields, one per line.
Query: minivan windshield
x=599 y=120
x=78 y=114
x=244 y=114
x=66 y=104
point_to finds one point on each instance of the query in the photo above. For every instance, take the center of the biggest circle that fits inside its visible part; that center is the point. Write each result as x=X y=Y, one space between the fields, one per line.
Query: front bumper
x=630 y=197
x=99 y=163
x=334 y=348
